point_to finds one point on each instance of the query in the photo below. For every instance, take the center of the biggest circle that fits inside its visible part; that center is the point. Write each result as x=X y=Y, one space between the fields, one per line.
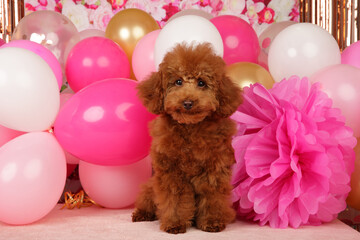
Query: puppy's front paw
x=174 y=229
x=142 y=215
x=213 y=227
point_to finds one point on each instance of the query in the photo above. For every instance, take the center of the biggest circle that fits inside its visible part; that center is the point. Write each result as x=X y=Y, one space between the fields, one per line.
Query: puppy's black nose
x=188 y=104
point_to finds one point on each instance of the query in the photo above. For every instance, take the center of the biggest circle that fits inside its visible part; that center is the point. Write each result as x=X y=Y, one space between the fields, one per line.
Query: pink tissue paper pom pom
x=294 y=155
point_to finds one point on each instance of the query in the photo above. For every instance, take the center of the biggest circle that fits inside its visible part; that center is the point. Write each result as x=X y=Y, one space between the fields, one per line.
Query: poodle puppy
x=191 y=147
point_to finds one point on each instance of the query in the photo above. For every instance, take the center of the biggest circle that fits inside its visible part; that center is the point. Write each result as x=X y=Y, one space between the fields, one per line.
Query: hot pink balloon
x=114 y=187
x=342 y=84
x=41 y=51
x=2 y=42
x=80 y=36
x=6 y=134
x=32 y=177
x=241 y=43
x=105 y=124
x=143 y=56
x=351 y=55
x=94 y=59
x=70 y=159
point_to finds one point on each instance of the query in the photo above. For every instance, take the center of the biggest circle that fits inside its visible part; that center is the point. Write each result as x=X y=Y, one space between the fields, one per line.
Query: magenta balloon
x=114 y=186
x=105 y=124
x=41 y=51
x=2 y=42
x=351 y=55
x=341 y=82
x=143 y=62
x=94 y=59
x=241 y=43
x=32 y=177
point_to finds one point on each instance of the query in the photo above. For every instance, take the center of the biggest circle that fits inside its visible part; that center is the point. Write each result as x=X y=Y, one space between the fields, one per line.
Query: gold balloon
x=353 y=200
x=127 y=27
x=246 y=73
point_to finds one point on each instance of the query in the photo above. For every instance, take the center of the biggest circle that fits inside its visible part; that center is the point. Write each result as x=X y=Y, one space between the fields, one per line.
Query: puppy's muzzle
x=188 y=104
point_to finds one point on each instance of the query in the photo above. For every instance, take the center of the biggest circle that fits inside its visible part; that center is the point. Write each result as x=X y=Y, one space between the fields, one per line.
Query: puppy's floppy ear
x=151 y=93
x=229 y=96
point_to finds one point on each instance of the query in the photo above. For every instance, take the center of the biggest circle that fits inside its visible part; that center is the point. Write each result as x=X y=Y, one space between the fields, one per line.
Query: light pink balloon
x=114 y=187
x=105 y=124
x=6 y=134
x=70 y=159
x=351 y=55
x=143 y=56
x=43 y=52
x=32 y=177
x=342 y=84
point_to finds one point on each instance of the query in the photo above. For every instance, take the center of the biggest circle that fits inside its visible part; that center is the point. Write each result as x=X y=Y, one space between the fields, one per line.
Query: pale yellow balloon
x=127 y=27
x=245 y=73
x=353 y=200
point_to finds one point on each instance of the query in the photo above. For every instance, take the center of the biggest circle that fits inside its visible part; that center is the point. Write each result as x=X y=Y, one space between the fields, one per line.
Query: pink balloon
x=70 y=159
x=32 y=177
x=114 y=187
x=342 y=84
x=6 y=134
x=80 y=36
x=105 y=124
x=241 y=43
x=41 y=51
x=2 y=42
x=94 y=59
x=143 y=62
x=351 y=55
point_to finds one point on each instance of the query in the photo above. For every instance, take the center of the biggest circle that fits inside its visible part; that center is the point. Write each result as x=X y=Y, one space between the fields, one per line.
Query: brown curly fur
x=191 y=149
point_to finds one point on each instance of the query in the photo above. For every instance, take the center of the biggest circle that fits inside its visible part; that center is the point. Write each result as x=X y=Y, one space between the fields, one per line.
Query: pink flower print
x=116 y=4
x=294 y=14
x=170 y=11
x=43 y=3
x=266 y=15
x=216 y=5
x=30 y=7
x=253 y=9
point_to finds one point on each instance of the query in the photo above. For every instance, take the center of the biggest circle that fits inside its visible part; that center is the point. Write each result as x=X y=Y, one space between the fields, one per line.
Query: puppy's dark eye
x=178 y=82
x=201 y=83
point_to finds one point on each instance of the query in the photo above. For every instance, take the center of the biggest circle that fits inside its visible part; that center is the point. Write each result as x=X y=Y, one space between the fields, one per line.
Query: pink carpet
x=98 y=223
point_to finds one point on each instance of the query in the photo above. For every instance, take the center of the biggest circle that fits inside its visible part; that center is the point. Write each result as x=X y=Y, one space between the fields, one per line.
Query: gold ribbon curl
x=78 y=200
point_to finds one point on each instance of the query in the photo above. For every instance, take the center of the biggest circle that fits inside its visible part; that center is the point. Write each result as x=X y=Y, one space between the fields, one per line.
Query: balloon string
x=78 y=200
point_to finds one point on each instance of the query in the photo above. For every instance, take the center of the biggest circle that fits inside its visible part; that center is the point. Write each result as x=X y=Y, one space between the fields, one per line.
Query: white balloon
x=29 y=93
x=189 y=29
x=302 y=49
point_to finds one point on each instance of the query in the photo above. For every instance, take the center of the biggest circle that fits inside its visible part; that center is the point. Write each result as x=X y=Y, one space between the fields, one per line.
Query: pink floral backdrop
x=95 y=14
